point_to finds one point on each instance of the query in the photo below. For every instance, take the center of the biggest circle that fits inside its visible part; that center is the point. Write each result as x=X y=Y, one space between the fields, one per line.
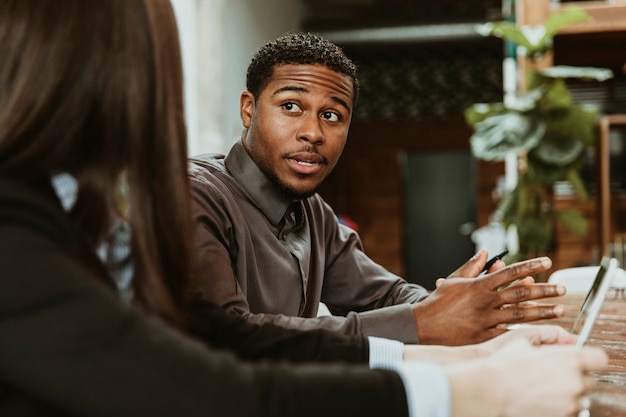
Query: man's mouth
x=305 y=163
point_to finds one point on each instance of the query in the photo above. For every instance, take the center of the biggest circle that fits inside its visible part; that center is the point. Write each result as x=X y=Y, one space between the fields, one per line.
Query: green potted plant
x=546 y=128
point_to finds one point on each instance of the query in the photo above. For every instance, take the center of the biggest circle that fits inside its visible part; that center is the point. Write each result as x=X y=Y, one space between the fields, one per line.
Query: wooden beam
x=604 y=177
x=605 y=17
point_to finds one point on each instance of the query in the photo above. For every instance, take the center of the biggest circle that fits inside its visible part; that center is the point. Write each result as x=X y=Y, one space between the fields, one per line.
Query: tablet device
x=593 y=301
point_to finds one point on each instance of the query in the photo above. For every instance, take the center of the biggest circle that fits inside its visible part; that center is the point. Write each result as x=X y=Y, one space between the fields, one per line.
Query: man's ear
x=246 y=108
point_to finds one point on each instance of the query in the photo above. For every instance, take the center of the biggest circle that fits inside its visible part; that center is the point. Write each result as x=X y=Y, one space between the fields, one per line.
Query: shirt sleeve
x=220 y=329
x=435 y=401
x=427 y=388
x=354 y=282
x=384 y=352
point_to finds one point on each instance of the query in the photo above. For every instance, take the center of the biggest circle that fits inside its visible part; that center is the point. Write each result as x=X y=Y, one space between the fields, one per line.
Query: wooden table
x=609 y=333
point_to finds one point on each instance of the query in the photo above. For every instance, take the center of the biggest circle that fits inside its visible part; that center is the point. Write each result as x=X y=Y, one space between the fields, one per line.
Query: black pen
x=493 y=260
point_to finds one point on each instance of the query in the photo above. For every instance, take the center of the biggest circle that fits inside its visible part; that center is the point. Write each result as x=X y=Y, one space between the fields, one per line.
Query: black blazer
x=68 y=346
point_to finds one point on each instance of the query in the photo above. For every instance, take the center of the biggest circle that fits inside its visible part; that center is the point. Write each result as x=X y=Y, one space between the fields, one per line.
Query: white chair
x=578 y=280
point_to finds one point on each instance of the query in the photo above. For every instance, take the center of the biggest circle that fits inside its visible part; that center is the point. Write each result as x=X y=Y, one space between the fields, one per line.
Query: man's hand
x=466 y=311
x=473 y=267
x=475 y=264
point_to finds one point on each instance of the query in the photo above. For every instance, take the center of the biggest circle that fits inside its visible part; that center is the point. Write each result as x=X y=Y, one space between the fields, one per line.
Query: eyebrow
x=336 y=99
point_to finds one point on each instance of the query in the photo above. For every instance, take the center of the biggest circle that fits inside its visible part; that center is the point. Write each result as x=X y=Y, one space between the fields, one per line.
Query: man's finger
x=516 y=271
x=497 y=265
x=472 y=267
x=519 y=293
x=526 y=281
x=523 y=313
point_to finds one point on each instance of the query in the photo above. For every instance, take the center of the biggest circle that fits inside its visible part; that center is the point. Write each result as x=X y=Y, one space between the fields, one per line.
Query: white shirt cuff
x=384 y=352
x=427 y=388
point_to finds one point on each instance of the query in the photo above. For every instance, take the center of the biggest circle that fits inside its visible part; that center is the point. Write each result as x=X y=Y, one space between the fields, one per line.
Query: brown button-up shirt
x=271 y=259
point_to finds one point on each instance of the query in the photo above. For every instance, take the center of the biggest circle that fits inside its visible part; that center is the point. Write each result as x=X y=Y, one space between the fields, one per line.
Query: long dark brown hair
x=94 y=88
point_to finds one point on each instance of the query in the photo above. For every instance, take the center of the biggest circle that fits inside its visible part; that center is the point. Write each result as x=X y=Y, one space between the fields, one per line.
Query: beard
x=293 y=193
x=264 y=163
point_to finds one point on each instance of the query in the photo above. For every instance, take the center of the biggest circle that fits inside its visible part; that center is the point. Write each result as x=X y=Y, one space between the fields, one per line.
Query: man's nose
x=311 y=130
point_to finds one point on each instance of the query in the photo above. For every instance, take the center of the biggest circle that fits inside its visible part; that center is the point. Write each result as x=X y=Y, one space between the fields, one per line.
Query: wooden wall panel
x=367 y=183
x=367 y=186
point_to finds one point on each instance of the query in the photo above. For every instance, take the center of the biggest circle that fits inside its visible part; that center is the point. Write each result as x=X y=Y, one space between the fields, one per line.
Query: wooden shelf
x=605 y=17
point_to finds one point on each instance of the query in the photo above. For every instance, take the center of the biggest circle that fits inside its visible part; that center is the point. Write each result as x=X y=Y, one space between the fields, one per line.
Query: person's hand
x=521 y=380
x=463 y=311
x=474 y=266
x=536 y=335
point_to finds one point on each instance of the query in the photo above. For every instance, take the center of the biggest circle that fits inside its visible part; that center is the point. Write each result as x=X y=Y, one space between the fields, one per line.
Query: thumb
x=594 y=359
x=516 y=345
x=472 y=267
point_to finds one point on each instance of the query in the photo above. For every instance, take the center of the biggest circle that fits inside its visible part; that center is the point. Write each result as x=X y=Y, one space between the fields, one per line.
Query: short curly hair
x=297 y=49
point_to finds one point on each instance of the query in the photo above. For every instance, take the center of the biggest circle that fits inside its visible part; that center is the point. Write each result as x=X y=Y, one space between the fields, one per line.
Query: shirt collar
x=115 y=251
x=266 y=195
x=66 y=188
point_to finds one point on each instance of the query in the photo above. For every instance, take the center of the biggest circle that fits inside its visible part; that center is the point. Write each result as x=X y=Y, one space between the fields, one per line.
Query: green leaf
x=525 y=102
x=529 y=199
x=525 y=205
x=535 y=233
x=576 y=122
x=500 y=134
x=557 y=97
x=534 y=41
x=480 y=111
x=584 y=73
x=568 y=16
x=573 y=220
x=559 y=150
x=539 y=43
x=544 y=173
x=505 y=30
x=585 y=121
x=574 y=178
x=508 y=204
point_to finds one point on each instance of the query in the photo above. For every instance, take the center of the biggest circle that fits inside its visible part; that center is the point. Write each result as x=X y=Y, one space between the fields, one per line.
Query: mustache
x=309 y=153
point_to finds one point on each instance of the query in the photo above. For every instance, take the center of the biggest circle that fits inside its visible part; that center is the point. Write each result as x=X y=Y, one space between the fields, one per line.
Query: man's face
x=298 y=126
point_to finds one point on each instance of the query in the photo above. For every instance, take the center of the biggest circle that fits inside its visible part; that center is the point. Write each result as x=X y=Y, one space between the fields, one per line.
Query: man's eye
x=330 y=116
x=291 y=107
